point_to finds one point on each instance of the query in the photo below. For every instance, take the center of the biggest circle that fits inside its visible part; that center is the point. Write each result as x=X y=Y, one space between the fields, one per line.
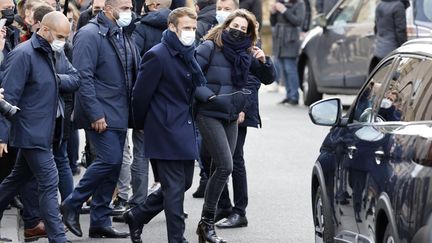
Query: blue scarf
x=235 y=52
x=170 y=39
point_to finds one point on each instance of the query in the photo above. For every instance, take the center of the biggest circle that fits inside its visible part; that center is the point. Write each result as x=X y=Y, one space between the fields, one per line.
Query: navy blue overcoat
x=162 y=105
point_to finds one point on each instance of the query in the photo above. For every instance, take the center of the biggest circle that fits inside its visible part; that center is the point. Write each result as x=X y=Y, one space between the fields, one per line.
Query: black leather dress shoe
x=233 y=221
x=106 y=232
x=71 y=220
x=135 y=227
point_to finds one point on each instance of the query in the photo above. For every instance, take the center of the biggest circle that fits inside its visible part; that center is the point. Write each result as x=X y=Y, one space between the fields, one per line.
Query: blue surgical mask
x=221 y=16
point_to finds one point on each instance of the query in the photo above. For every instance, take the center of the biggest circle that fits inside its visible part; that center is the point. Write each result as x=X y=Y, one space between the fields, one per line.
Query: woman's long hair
x=215 y=34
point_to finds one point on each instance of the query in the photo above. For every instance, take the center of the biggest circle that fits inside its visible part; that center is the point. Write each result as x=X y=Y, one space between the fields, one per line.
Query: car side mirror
x=326 y=112
x=321 y=21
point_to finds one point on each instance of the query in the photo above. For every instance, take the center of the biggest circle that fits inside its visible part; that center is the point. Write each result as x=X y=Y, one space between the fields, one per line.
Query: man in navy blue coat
x=32 y=83
x=162 y=106
x=107 y=61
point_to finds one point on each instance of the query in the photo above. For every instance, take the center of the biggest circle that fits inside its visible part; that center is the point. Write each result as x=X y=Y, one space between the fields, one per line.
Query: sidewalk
x=9 y=226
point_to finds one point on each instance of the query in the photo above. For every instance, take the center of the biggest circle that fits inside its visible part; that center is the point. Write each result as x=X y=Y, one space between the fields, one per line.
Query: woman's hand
x=241 y=117
x=258 y=54
x=2 y=38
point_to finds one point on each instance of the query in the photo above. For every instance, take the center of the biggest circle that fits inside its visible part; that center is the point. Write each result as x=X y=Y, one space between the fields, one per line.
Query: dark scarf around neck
x=236 y=53
x=170 y=39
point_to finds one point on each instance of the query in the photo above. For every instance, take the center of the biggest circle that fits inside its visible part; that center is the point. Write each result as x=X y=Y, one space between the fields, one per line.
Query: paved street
x=279 y=159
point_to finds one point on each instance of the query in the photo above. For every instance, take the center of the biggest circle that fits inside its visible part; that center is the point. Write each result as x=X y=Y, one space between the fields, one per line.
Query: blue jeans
x=139 y=170
x=64 y=171
x=289 y=68
x=100 y=178
x=219 y=138
x=40 y=164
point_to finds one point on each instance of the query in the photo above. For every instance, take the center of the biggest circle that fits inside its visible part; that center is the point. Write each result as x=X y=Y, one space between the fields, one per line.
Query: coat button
x=188 y=74
x=189 y=122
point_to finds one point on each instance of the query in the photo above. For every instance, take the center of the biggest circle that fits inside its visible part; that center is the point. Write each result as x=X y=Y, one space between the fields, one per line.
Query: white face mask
x=125 y=18
x=187 y=38
x=386 y=103
x=57 y=45
x=221 y=16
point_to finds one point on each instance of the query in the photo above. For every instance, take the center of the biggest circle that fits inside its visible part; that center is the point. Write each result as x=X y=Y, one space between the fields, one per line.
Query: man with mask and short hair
x=107 y=61
x=165 y=85
x=225 y=8
x=32 y=83
x=206 y=10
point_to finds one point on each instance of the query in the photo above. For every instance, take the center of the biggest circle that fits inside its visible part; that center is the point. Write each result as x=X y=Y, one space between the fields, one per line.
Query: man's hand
x=1 y=93
x=258 y=54
x=99 y=125
x=3 y=149
x=241 y=117
x=273 y=9
x=280 y=7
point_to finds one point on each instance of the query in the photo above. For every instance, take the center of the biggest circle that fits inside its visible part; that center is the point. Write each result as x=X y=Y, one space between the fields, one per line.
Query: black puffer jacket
x=230 y=100
x=148 y=31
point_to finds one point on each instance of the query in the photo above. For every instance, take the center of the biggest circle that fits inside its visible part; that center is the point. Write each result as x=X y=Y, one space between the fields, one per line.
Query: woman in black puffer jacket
x=226 y=57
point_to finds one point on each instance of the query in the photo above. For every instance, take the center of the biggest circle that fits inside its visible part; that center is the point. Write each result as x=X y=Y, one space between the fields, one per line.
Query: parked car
x=335 y=56
x=372 y=181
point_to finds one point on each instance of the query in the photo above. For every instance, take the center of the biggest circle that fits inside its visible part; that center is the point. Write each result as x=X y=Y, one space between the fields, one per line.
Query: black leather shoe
x=135 y=227
x=106 y=232
x=71 y=220
x=222 y=213
x=233 y=221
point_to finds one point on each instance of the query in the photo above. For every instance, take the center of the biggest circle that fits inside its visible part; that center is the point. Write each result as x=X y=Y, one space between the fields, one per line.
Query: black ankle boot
x=206 y=231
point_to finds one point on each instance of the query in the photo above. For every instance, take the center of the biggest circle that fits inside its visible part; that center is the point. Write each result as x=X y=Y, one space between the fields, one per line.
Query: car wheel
x=310 y=92
x=389 y=235
x=324 y=228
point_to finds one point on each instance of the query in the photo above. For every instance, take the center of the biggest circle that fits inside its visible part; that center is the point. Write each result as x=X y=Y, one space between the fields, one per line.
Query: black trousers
x=239 y=178
x=175 y=177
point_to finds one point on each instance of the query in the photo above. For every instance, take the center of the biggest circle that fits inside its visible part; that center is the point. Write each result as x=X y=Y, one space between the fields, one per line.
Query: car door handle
x=351 y=151
x=379 y=155
x=340 y=42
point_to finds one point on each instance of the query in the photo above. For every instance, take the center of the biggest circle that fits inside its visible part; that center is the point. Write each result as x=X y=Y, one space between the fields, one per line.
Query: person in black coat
x=162 y=105
x=91 y=12
x=252 y=118
x=148 y=30
x=40 y=105
x=255 y=6
x=206 y=10
x=227 y=55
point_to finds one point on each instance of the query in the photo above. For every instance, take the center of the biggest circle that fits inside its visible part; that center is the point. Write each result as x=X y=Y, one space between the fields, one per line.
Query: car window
x=417 y=104
x=396 y=103
x=423 y=10
x=367 y=12
x=370 y=93
x=346 y=12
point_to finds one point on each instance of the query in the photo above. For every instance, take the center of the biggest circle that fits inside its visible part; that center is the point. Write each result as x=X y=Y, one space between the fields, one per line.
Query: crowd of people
x=185 y=83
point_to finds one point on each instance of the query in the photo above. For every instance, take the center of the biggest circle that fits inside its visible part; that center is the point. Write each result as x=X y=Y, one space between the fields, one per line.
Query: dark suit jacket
x=162 y=105
x=104 y=91
x=30 y=82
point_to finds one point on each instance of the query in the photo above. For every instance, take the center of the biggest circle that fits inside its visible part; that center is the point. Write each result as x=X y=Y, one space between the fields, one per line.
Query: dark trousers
x=219 y=138
x=175 y=178
x=100 y=178
x=73 y=149
x=64 y=171
x=40 y=164
x=239 y=178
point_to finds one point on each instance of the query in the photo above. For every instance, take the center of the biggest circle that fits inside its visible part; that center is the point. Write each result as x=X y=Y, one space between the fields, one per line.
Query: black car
x=372 y=181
